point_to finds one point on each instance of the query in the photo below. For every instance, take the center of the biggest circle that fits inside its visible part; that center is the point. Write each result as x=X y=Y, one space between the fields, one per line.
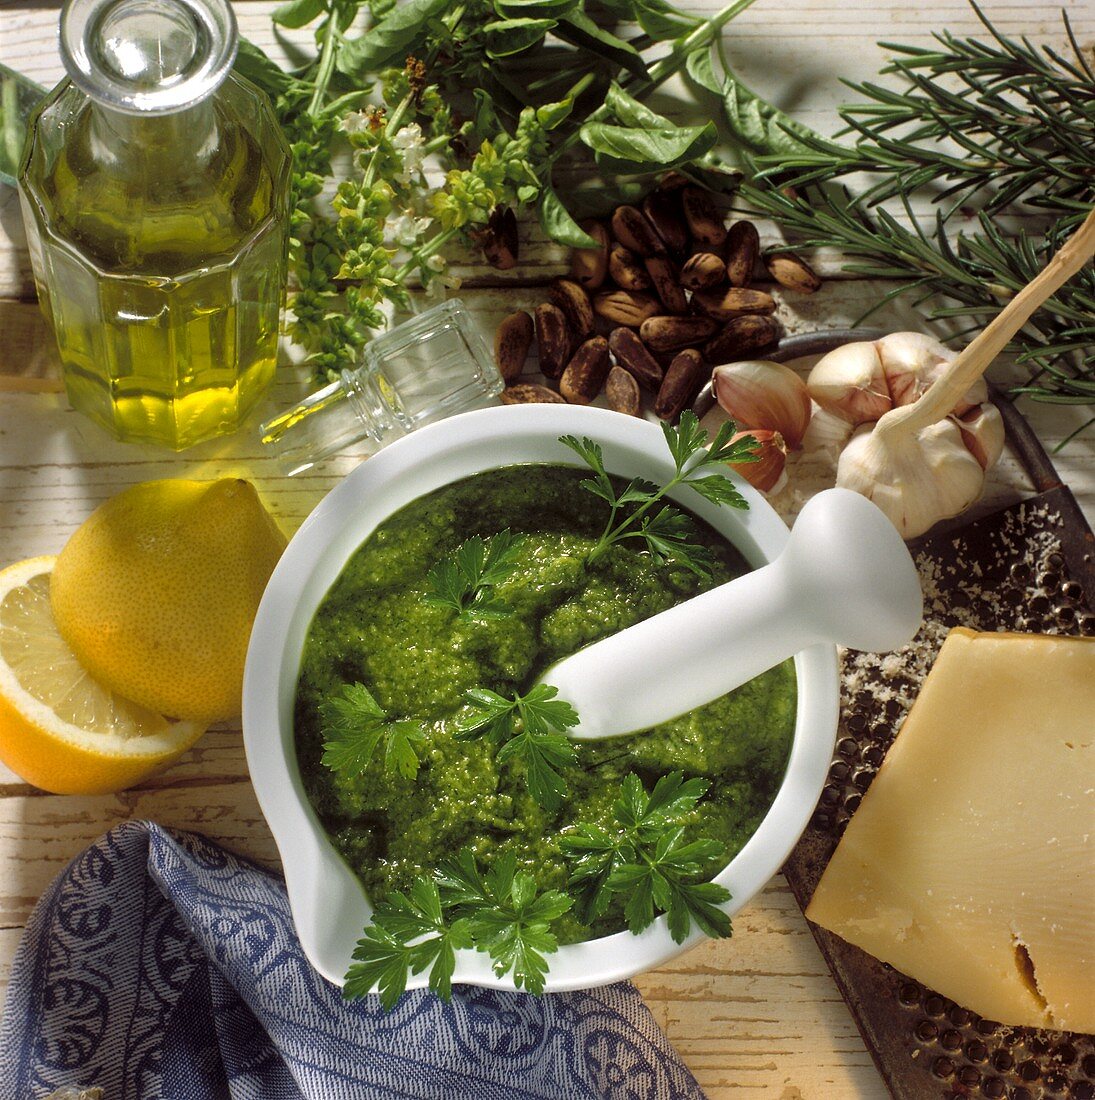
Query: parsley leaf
x=668 y=533
x=530 y=728
x=409 y=933
x=499 y=913
x=466 y=581
x=646 y=862
x=354 y=724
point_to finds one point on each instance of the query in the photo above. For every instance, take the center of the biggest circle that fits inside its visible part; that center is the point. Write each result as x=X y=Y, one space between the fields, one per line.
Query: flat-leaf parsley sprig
x=531 y=728
x=354 y=723
x=666 y=531
x=466 y=581
x=645 y=860
x=500 y=913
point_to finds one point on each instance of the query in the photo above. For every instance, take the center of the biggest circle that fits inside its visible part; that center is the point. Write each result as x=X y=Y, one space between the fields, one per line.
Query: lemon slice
x=59 y=728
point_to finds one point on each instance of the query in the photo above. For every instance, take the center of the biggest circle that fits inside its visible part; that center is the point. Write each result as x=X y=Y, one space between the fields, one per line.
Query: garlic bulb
x=982 y=429
x=912 y=361
x=916 y=478
x=850 y=382
x=767 y=473
x=862 y=381
x=759 y=394
x=920 y=462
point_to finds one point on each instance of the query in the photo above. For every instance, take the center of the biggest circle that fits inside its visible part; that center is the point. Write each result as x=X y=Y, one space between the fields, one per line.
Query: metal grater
x=1030 y=567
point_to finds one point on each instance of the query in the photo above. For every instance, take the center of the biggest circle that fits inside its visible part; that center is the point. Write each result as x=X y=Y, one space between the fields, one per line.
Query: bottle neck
x=188 y=137
x=148 y=58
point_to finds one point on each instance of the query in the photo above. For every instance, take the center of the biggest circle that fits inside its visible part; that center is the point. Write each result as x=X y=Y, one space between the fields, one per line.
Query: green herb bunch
x=491 y=95
x=980 y=129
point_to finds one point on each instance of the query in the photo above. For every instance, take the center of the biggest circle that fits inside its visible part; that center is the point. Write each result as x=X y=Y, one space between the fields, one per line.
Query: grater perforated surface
x=1025 y=568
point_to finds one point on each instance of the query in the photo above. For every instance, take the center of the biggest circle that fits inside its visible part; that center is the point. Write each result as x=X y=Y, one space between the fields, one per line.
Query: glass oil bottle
x=155 y=189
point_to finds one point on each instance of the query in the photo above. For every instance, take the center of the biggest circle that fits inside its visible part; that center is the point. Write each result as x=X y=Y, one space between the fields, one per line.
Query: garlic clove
x=765 y=395
x=826 y=434
x=916 y=478
x=911 y=362
x=851 y=383
x=767 y=473
x=982 y=429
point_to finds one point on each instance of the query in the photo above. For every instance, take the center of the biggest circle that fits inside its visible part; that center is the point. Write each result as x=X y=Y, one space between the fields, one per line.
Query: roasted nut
x=703 y=270
x=725 y=305
x=703 y=218
x=622 y=392
x=574 y=302
x=668 y=333
x=588 y=266
x=673 y=181
x=625 y=307
x=742 y=250
x=554 y=339
x=631 y=228
x=586 y=372
x=741 y=337
x=635 y=358
x=627 y=269
x=529 y=393
x=512 y=340
x=663 y=274
x=682 y=380
x=792 y=273
x=499 y=239
x=663 y=211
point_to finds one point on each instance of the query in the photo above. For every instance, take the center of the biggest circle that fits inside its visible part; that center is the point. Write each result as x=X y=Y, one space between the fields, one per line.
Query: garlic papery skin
x=766 y=474
x=911 y=362
x=917 y=478
x=851 y=383
x=765 y=395
x=982 y=429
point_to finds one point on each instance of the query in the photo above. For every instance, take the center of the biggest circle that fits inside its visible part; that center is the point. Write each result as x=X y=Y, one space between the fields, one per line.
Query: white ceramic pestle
x=844 y=577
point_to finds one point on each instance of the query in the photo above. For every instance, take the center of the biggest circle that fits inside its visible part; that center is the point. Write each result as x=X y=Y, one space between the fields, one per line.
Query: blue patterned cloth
x=158 y=966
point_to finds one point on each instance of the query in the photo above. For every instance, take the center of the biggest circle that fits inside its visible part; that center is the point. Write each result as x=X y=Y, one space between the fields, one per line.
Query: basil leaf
x=535 y=9
x=557 y=222
x=511 y=36
x=252 y=64
x=625 y=147
x=388 y=39
x=760 y=126
x=661 y=21
x=296 y=13
x=18 y=98
x=551 y=115
x=631 y=112
x=579 y=30
x=702 y=71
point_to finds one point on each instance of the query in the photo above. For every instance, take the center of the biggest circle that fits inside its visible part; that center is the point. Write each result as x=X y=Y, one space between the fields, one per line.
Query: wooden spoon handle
x=949 y=388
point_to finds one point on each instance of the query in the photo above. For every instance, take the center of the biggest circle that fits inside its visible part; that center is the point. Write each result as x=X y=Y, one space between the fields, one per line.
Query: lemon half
x=60 y=729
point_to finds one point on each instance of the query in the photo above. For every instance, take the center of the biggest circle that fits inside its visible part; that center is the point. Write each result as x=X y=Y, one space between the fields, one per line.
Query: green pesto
x=373 y=627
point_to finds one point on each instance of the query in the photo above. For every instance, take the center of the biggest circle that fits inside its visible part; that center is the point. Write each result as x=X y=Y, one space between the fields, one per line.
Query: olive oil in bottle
x=155 y=192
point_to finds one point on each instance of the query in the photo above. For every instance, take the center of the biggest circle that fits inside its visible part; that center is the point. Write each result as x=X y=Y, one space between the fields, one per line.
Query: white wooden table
x=758 y=1015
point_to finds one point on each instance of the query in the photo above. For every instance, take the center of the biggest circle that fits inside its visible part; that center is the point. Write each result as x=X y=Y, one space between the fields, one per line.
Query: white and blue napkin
x=158 y=966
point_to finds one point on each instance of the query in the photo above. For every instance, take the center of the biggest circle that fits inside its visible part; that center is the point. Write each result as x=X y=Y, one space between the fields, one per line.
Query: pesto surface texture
x=374 y=627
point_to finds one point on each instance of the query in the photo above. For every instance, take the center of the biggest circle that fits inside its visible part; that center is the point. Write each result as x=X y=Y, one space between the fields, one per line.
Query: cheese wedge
x=970 y=864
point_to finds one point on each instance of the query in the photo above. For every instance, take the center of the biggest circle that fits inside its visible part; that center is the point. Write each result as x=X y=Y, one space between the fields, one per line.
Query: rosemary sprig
x=979 y=128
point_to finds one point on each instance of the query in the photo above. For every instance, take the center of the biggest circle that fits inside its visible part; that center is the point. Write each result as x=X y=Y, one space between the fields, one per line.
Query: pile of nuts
x=661 y=301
